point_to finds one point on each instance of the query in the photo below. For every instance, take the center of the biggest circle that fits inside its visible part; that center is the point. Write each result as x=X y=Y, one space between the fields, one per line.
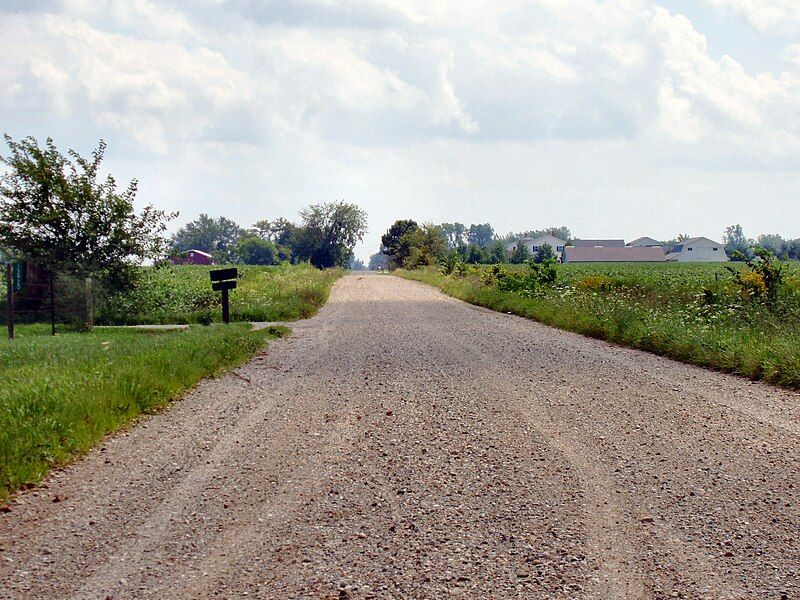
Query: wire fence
x=36 y=302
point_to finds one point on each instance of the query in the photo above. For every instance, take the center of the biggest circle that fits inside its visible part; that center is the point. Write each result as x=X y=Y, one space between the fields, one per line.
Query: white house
x=698 y=249
x=533 y=244
x=644 y=242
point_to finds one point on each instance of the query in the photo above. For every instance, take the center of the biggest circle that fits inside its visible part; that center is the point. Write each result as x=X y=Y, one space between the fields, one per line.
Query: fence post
x=89 y=305
x=52 y=306
x=10 y=300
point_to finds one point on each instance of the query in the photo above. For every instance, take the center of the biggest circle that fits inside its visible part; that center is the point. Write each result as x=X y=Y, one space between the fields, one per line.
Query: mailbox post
x=223 y=280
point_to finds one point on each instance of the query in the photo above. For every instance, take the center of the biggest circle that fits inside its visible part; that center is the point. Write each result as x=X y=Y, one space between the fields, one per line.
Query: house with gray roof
x=574 y=254
x=598 y=243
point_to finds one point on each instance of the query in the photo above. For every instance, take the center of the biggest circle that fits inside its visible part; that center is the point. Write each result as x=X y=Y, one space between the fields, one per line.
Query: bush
x=599 y=283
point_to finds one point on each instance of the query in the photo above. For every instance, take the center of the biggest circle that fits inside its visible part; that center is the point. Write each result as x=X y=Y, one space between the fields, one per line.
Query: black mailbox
x=223 y=280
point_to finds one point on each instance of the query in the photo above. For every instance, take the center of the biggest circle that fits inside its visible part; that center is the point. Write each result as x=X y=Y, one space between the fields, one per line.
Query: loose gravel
x=402 y=444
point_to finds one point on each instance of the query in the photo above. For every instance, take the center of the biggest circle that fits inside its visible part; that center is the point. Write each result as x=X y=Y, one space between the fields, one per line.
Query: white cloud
x=300 y=100
x=765 y=15
x=716 y=101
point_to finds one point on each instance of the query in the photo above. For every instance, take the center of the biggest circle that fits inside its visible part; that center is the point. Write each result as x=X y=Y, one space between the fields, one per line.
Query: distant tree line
x=740 y=247
x=325 y=237
x=409 y=245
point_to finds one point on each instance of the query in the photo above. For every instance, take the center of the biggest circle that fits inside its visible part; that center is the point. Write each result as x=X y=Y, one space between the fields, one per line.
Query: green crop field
x=696 y=313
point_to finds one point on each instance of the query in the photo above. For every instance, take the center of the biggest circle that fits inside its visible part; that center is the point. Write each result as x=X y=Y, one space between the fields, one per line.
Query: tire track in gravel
x=402 y=444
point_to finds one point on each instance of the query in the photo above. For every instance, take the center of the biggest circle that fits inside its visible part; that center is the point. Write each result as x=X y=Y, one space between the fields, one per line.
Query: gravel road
x=402 y=444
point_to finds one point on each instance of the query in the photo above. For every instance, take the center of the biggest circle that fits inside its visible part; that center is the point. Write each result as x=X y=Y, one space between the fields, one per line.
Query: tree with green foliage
x=356 y=264
x=56 y=211
x=217 y=236
x=378 y=260
x=395 y=245
x=474 y=255
x=737 y=246
x=496 y=253
x=480 y=235
x=280 y=232
x=329 y=233
x=262 y=229
x=793 y=249
x=455 y=233
x=520 y=254
x=774 y=243
x=428 y=246
x=562 y=233
x=543 y=253
x=254 y=250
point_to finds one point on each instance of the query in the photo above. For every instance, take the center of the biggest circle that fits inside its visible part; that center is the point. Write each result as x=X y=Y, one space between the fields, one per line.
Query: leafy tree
x=520 y=254
x=56 y=211
x=737 y=246
x=394 y=245
x=262 y=229
x=474 y=255
x=496 y=253
x=481 y=235
x=215 y=236
x=793 y=249
x=254 y=250
x=356 y=264
x=377 y=260
x=281 y=232
x=775 y=243
x=543 y=253
x=562 y=233
x=329 y=233
x=454 y=232
x=427 y=244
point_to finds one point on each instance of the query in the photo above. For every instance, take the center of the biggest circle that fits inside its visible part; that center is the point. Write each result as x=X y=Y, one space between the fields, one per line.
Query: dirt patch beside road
x=405 y=444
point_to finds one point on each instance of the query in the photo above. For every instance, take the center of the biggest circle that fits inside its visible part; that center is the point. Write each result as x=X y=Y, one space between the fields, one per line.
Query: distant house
x=698 y=249
x=193 y=257
x=533 y=244
x=644 y=242
x=574 y=254
x=598 y=243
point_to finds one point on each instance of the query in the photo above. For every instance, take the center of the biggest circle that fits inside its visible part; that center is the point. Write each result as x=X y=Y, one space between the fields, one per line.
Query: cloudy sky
x=618 y=118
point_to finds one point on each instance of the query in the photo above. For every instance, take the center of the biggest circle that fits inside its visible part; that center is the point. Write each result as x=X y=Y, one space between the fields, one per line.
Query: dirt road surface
x=402 y=444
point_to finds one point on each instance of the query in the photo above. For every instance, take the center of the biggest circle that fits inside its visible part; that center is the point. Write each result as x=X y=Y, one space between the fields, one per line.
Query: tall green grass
x=60 y=395
x=653 y=310
x=182 y=294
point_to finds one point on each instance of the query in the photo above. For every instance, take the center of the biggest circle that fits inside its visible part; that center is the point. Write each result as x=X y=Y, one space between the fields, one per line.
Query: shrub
x=598 y=283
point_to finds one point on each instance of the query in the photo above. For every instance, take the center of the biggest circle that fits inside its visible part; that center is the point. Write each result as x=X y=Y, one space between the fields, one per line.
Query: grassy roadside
x=182 y=294
x=60 y=395
x=736 y=339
